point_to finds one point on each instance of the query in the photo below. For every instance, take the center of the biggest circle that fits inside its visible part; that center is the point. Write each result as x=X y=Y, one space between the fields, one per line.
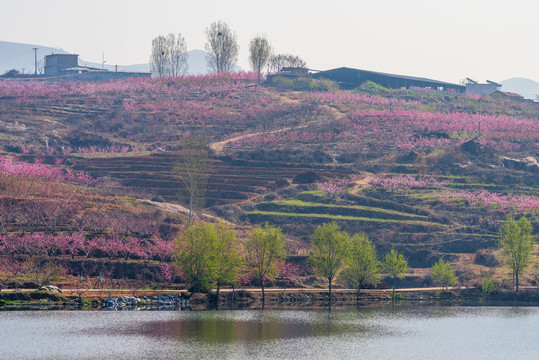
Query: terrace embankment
x=230 y=182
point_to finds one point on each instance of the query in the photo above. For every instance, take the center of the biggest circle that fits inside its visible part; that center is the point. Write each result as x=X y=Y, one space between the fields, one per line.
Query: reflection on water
x=407 y=333
x=230 y=327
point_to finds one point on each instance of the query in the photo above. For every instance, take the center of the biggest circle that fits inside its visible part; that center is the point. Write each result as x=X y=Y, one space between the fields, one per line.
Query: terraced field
x=230 y=182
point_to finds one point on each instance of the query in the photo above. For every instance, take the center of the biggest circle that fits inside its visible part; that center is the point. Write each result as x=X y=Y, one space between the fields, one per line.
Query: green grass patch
x=356 y=207
x=343 y=217
x=423 y=196
x=317 y=193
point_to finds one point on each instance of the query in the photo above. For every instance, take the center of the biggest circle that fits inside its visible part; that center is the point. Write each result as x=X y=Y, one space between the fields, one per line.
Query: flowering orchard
x=405 y=129
x=494 y=202
x=405 y=182
x=10 y=168
x=147 y=114
x=75 y=244
x=491 y=200
x=334 y=187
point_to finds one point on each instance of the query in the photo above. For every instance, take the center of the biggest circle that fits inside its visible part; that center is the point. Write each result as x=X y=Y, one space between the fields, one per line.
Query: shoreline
x=250 y=299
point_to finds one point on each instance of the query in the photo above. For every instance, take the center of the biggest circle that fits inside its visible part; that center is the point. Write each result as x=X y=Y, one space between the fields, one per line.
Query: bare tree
x=222 y=47
x=193 y=170
x=177 y=49
x=169 y=55
x=159 y=59
x=259 y=54
x=277 y=62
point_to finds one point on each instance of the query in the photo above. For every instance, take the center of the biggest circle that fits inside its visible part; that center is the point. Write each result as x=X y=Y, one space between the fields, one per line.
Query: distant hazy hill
x=21 y=57
x=525 y=87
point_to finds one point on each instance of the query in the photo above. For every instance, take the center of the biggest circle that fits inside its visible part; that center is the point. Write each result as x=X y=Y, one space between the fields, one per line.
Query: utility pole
x=35 y=60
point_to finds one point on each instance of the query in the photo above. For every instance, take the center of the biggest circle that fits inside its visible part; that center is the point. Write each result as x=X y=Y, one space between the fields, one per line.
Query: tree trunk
x=357 y=296
x=218 y=288
x=190 y=210
x=329 y=294
x=263 y=294
x=516 y=280
x=233 y=295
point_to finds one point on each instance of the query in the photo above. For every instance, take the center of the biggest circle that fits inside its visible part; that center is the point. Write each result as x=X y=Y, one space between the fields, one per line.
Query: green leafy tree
x=330 y=249
x=396 y=266
x=488 y=285
x=362 y=266
x=193 y=169
x=228 y=257
x=195 y=255
x=443 y=274
x=264 y=247
x=516 y=242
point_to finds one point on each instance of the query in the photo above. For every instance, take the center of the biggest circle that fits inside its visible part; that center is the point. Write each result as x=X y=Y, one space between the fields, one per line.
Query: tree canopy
x=330 y=248
x=443 y=274
x=264 y=247
x=362 y=265
x=516 y=242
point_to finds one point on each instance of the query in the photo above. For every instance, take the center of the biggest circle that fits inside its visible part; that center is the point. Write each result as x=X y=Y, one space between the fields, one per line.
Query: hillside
x=425 y=172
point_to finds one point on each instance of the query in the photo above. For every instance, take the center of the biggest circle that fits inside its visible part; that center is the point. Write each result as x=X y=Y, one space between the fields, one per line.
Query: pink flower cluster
x=10 y=167
x=492 y=200
x=334 y=187
x=404 y=182
x=112 y=246
x=371 y=101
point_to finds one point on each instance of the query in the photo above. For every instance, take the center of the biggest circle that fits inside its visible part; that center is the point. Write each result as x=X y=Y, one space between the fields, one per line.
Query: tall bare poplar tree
x=169 y=55
x=222 y=47
x=193 y=169
x=159 y=59
x=259 y=54
x=177 y=54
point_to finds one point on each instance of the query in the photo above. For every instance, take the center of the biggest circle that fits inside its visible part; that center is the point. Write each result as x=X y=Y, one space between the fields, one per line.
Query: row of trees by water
x=209 y=256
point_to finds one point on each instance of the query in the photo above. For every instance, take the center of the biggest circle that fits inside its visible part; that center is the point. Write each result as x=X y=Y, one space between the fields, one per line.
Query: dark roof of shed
x=392 y=75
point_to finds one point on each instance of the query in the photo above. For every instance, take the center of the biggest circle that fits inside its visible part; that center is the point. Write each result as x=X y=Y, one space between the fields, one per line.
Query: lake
x=403 y=333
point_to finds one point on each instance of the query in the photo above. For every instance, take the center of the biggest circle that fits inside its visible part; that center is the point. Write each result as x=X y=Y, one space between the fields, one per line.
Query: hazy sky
x=441 y=39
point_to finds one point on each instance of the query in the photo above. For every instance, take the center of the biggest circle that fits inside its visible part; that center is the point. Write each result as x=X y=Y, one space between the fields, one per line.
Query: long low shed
x=350 y=78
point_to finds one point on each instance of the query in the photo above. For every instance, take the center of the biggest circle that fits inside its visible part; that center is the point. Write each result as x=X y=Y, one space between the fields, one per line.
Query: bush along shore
x=252 y=299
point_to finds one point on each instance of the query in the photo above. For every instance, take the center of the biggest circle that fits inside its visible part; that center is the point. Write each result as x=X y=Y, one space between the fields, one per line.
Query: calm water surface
x=406 y=333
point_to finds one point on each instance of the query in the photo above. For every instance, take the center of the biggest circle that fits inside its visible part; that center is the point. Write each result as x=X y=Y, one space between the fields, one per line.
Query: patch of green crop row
x=317 y=193
x=423 y=196
x=342 y=217
x=357 y=207
x=431 y=175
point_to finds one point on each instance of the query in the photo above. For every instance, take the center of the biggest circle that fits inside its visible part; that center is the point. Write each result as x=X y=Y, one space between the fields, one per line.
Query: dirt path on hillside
x=178 y=209
x=360 y=181
x=219 y=145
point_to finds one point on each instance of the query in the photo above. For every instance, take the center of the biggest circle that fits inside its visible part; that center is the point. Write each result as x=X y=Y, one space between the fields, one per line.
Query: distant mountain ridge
x=20 y=57
x=525 y=87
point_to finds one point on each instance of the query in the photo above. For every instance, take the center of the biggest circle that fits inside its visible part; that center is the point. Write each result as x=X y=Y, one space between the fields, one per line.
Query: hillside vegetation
x=426 y=172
